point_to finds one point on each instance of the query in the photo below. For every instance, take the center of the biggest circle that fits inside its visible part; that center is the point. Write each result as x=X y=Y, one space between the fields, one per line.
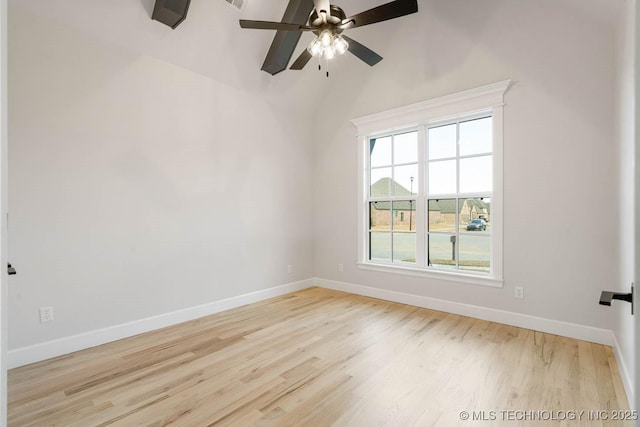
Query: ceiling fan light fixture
x=326 y=38
x=336 y=46
x=329 y=52
x=315 y=48
x=340 y=45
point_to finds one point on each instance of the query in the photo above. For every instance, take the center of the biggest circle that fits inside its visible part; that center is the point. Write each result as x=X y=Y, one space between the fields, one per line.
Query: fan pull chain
x=326 y=66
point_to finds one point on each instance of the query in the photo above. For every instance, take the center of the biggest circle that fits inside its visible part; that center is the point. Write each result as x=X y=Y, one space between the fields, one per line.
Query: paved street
x=474 y=249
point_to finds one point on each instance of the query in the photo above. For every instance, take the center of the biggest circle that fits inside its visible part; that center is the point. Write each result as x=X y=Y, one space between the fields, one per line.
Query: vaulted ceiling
x=211 y=43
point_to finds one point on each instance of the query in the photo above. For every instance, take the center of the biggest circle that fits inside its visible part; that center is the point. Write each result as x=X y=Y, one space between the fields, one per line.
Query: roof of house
x=383 y=188
x=448 y=206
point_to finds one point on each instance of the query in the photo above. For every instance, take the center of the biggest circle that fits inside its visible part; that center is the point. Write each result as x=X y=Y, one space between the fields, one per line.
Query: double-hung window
x=431 y=188
x=393 y=187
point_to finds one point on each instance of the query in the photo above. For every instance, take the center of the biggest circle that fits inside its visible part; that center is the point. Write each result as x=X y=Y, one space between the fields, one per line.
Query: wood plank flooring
x=323 y=358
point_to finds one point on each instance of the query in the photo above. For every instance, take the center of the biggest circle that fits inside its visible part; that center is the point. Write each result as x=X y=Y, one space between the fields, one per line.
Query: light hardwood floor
x=318 y=358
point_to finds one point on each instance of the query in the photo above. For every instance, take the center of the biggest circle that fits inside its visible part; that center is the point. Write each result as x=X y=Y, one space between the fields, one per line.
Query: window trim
x=487 y=99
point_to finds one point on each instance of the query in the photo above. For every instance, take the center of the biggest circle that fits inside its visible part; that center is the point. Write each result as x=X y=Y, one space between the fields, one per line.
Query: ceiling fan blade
x=268 y=25
x=392 y=10
x=302 y=60
x=362 y=52
x=285 y=42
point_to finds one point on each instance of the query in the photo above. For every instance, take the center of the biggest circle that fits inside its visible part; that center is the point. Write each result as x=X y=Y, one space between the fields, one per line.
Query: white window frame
x=487 y=100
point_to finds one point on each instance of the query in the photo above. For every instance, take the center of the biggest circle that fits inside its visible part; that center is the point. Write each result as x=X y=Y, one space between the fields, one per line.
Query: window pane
x=404 y=247
x=380 y=182
x=442 y=177
x=379 y=216
x=380 y=246
x=406 y=180
x=404 y=215
x=442 y=251
x=476 y=136
x=442 y=142
x=475 y=253
x=475 y=215
x=405 y=148
x=442 y=215
x=380 y=149
x=476 y=174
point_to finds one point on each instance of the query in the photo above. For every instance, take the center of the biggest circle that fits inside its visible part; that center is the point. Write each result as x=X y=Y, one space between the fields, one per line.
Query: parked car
x=477 y=224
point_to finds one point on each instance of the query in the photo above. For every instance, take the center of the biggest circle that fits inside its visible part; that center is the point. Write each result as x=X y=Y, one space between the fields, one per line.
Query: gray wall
x=139 y=187
x=560 y=152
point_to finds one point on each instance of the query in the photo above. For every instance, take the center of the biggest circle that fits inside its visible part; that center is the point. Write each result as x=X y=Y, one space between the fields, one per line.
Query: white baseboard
x=565 y=329
x=46 y=350
x=624 y=373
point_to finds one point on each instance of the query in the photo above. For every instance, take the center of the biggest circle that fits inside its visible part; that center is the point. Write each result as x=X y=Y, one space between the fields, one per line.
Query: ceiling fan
x=328 y=21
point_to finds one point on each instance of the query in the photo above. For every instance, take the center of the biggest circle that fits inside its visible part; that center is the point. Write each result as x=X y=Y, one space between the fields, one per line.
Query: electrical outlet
x=341 y=268
x=289 y=268
x=518 y=292
x=46 y=314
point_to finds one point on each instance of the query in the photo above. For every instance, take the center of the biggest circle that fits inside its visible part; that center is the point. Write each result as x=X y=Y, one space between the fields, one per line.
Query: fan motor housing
x=337 y=15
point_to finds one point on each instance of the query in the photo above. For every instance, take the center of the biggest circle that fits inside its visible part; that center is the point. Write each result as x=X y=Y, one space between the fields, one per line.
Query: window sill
x=439 y=275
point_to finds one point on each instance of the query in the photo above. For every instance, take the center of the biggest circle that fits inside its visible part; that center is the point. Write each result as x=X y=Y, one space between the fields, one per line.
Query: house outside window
x=430 y=186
